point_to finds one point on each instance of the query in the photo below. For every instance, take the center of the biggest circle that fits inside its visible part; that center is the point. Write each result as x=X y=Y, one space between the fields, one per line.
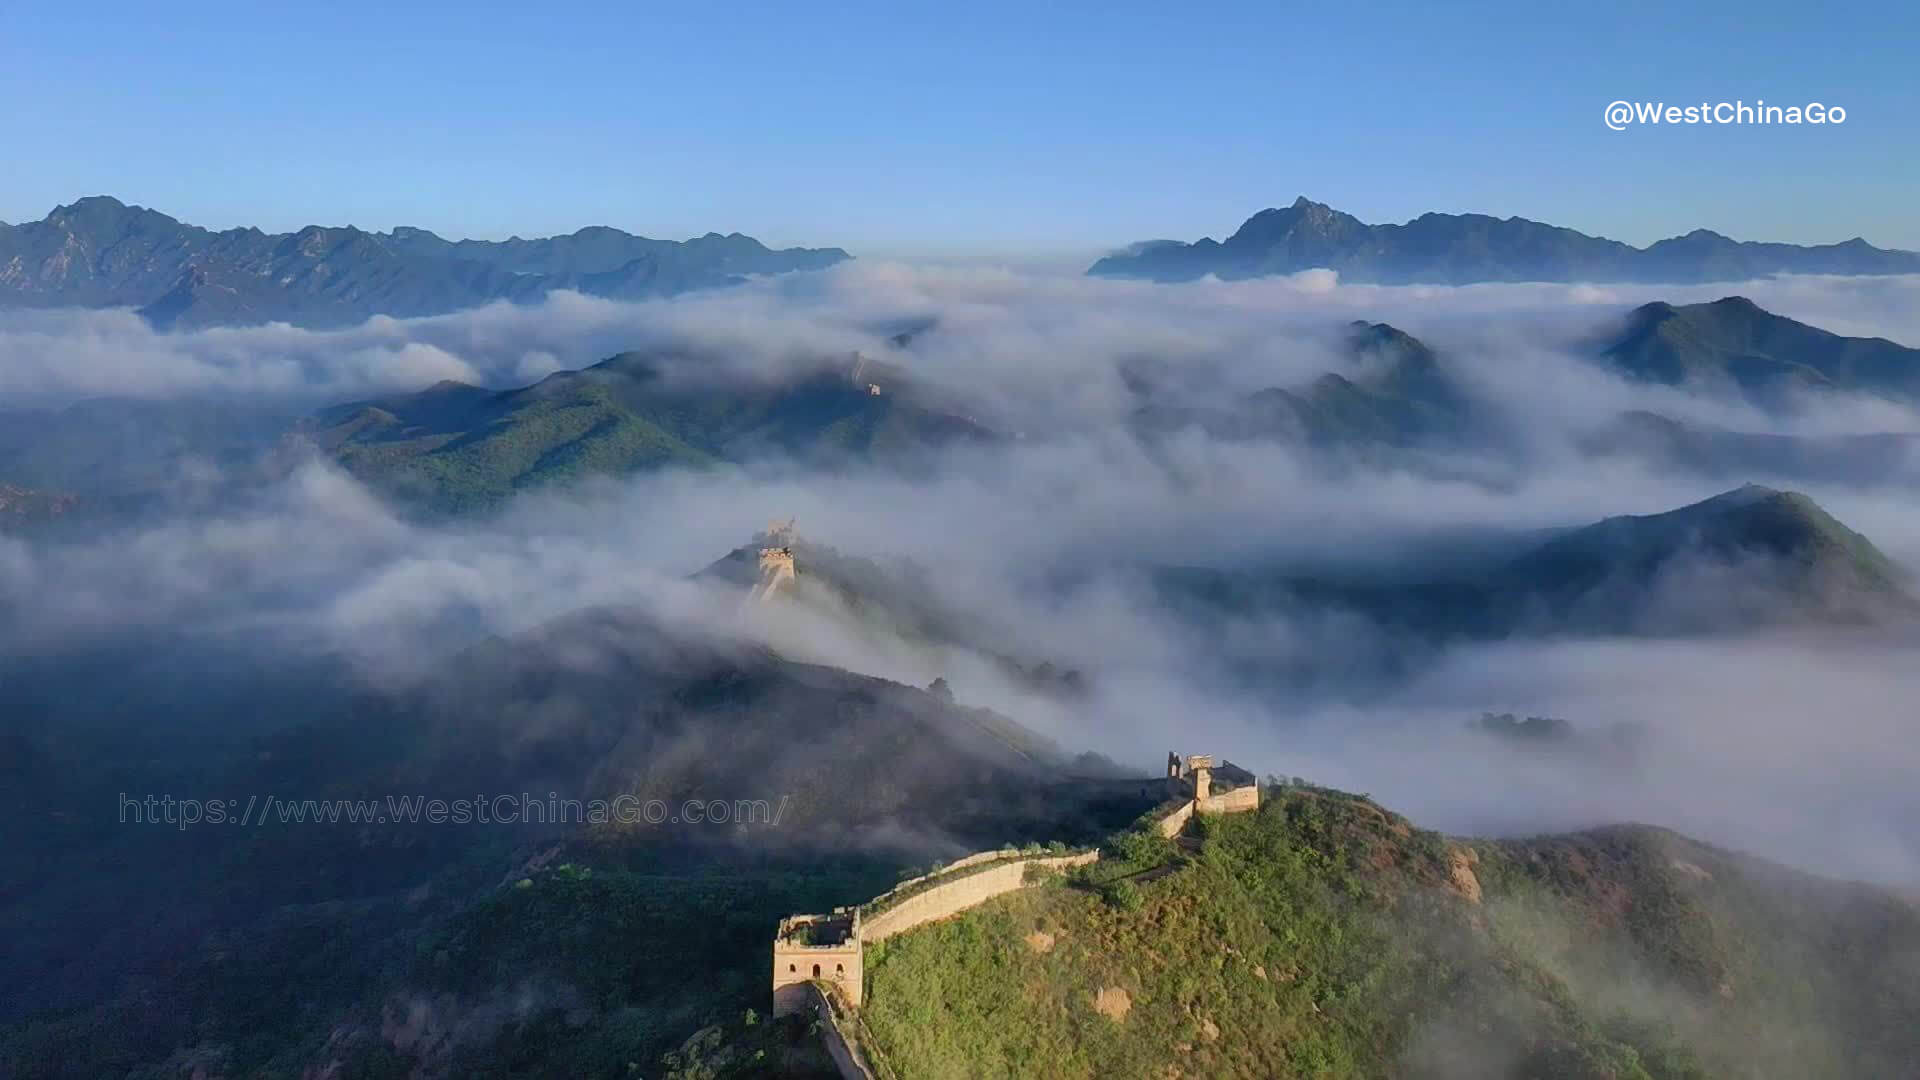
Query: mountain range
x=457 y=446
x=1458 y=249
x=1392 y=391
x=99 y=252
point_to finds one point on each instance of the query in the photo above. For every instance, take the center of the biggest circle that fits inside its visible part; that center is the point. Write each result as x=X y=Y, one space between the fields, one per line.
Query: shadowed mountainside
x=265 y=944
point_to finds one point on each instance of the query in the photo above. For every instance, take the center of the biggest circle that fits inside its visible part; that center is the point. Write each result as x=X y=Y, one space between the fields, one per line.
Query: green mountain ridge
x=454 y=446
x=1325 y=936
x=1750 y=522
x=1742 y=559
x=1735 y=342
x=1394 y=392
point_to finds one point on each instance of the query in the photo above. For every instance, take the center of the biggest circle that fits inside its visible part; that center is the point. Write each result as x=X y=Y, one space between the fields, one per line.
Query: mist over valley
x=1524 y=562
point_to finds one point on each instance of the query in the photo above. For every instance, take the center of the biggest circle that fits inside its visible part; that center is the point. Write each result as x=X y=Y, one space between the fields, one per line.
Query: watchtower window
x=791 y=969
x=839 y=969
x=816 y=971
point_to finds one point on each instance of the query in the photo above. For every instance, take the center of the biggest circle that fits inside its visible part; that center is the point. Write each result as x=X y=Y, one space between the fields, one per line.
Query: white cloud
x=1772 y=744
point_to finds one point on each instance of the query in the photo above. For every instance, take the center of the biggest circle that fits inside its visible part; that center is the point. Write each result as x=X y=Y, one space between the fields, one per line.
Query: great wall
x=819 y=960
x=776 y=562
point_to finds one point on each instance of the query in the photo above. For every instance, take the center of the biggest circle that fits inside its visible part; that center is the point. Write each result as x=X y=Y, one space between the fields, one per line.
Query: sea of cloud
x=1796 y=746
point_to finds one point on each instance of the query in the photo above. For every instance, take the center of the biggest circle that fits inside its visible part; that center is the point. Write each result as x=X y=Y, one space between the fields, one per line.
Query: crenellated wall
x=1171 y=824
x=1194 y=782
x=809 y=977
x=965 y=891
x=974 y=859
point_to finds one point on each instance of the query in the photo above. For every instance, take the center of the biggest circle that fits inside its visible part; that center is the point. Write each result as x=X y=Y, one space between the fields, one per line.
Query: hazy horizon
x=1062 y=259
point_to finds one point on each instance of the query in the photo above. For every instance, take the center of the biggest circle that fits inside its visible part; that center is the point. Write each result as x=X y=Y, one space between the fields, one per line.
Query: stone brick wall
x=971 y=860
x=964 y=892
x=1172 y=824
x=1236 y=801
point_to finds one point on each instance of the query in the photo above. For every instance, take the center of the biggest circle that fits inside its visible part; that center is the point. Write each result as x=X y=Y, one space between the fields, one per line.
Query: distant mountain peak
x=1793 y=561
x=1750 y=495
x=1440 y=248
x=1378 y=333
x=106 y=214
x=449 y=386
x=90 y=204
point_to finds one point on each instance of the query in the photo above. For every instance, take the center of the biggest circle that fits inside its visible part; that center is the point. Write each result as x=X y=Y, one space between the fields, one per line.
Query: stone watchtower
x=1200 y=768
x=1225 y=788
x=822 y=948
x=776 y=560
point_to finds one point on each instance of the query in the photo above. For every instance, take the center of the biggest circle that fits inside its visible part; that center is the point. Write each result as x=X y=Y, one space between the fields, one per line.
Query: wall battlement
x=828 y=947
x=810 y=949
x=1200 y=787
x=816 y=957
x=965 y=891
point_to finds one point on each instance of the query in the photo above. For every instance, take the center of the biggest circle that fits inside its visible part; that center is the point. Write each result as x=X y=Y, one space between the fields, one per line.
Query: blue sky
x=980 y=128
